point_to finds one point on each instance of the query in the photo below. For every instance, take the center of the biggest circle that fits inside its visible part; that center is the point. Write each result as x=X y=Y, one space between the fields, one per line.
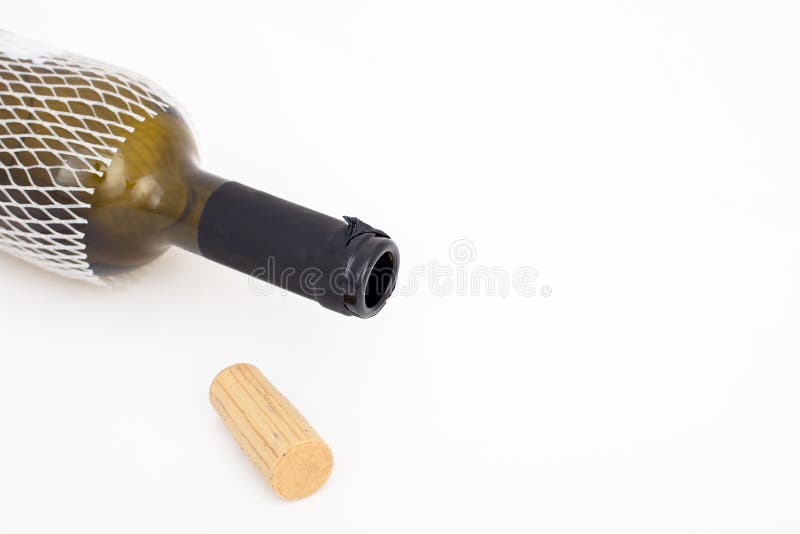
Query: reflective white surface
x=642 y=157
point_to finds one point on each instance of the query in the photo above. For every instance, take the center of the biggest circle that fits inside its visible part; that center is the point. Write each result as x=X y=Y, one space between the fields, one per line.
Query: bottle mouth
x=381 y=281
x=376 y=277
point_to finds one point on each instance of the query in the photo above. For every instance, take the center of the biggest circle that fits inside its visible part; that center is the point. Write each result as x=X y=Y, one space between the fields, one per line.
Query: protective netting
x=62 y=118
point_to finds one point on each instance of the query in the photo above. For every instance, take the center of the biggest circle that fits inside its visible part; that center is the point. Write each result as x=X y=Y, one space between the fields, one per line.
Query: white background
x=642 y=156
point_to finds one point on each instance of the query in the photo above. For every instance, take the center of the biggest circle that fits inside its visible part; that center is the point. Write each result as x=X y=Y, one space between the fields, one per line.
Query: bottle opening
x=381 y=280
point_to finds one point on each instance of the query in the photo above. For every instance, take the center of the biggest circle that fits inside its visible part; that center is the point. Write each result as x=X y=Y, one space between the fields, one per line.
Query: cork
x=288 y=453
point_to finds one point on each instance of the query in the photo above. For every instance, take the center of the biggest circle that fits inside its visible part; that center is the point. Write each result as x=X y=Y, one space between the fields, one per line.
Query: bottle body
x=99 y=175
x=81 y=145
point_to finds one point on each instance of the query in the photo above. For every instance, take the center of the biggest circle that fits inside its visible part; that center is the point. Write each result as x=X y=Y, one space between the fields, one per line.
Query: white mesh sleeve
x=61 y=116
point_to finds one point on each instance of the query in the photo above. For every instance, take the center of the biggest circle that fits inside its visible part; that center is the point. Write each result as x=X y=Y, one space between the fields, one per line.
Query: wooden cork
x=288 y=453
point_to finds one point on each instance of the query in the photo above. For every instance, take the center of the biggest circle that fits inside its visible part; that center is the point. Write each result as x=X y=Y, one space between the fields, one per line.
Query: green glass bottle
x=99 y=175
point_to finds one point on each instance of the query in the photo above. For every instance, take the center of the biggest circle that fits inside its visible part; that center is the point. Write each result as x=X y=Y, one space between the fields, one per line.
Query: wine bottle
x=99 y=175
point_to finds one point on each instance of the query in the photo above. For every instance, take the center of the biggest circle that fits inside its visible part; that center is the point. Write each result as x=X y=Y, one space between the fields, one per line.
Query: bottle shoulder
x=140 y=194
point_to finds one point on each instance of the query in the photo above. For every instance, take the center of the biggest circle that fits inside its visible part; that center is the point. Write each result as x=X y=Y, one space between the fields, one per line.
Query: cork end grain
x=302 y=470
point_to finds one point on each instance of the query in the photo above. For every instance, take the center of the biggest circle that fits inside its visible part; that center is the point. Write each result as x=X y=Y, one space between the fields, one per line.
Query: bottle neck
x=200 y=186
x=345 y=265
